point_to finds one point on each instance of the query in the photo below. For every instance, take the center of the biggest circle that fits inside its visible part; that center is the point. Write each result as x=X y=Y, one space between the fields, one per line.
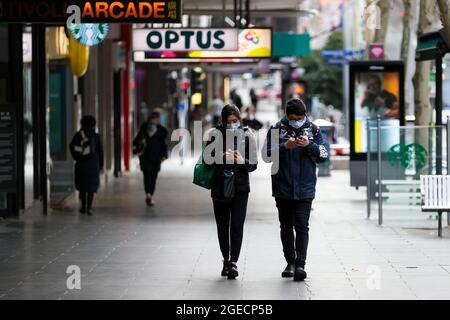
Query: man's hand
x=302 y=141
x=291 y=143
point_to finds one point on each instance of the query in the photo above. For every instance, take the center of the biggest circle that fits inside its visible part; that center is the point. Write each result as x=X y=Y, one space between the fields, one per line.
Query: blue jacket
x=296 y=177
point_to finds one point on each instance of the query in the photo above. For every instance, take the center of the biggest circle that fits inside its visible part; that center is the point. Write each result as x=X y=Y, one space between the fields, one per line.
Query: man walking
x=296 y=143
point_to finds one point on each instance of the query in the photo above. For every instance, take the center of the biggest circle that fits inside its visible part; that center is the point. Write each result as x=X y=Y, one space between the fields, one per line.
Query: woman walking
x=87 y=151
x=233 y=156
x=151 y=147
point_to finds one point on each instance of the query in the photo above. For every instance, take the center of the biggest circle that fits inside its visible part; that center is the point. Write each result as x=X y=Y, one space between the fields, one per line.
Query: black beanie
x=295 y=106
x=88 y=122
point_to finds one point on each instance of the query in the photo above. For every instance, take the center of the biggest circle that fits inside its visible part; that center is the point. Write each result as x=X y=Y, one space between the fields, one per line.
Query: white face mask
x=233 y=126
x=297 y=123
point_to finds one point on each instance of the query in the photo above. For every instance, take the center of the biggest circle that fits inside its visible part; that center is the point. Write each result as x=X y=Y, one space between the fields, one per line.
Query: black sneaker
x=82 y=211
x=232 y=271
x=300 y=274
x=89 y=212
x=226 y=267
x=288 y=272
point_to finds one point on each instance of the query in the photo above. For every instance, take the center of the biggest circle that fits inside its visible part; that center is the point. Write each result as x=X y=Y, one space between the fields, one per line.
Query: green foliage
x=325 y=80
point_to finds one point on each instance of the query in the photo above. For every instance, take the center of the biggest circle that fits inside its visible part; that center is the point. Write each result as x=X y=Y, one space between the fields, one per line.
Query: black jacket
x=246 y=144
x=88 y=166
x=151 y=150
x=296 y=177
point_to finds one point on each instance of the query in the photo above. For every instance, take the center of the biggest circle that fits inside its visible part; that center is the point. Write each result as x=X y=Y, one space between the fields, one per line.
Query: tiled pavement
x=126 y=251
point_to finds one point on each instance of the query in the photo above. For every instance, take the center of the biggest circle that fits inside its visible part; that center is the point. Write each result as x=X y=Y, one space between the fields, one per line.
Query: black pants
x=230 y=218
x=150 y=181
x=294 y=215
x=86 y=198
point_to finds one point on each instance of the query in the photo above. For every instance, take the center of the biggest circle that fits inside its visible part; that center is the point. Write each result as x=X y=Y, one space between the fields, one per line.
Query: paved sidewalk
x=128 y=251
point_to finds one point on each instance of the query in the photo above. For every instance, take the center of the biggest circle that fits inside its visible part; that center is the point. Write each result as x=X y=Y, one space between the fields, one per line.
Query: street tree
x=384 y=9
x=444 y=11
x=407 y=19
x=422 y=106
x=325 y=80
x=406 y=40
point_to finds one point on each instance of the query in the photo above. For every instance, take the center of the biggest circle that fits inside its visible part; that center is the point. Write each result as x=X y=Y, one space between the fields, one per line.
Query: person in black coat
x=151 y=147
x=87 y=151
x=231 y=152
x=295 y=145
x=254 y=98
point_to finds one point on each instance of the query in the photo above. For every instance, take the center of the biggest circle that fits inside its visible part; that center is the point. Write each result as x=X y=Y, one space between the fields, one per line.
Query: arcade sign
x=92 y=11
x=185 y=39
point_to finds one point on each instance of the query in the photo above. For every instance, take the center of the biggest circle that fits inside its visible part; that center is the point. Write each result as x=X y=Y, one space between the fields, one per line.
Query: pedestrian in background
x=254 y=98
x=236 y=99
x=87 y=151
x=230 y=184
x=217 y=106
x=151 y=147
x=250 y=119
x=143 y=112
x=300 y=146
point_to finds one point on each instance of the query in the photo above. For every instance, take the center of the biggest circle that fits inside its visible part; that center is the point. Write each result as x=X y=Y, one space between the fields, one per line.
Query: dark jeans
x=150 y=181
x=294 y=214
x=230 y=218
x=86 y=198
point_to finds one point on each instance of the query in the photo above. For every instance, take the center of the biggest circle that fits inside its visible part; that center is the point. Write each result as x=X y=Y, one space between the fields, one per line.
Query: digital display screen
x=375 y=91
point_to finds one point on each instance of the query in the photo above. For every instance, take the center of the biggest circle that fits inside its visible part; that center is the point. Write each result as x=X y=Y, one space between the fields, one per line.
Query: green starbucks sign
x=408 y=156
x=89 y=34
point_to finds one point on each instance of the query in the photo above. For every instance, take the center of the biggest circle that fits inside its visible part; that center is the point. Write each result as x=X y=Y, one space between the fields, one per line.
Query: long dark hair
x=230 y=110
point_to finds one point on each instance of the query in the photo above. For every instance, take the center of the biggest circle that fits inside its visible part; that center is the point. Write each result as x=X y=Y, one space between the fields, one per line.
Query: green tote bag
x=202 y=175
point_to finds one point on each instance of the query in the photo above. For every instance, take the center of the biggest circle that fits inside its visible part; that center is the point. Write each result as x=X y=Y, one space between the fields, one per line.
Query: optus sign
x=251 y=43
x=185 y=39
x=55 y=11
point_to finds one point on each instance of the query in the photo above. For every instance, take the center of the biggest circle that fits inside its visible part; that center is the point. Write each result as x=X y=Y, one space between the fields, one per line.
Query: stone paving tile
x=128 y=251
x=94 y=292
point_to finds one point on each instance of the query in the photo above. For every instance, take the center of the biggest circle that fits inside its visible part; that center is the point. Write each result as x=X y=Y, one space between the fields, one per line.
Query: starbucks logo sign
x=89 y=34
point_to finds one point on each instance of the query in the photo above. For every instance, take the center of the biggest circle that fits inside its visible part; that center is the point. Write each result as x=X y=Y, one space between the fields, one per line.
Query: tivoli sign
x=92 y=11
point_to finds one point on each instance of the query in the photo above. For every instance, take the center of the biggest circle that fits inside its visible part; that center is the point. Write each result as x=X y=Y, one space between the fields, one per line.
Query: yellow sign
x=253 y=43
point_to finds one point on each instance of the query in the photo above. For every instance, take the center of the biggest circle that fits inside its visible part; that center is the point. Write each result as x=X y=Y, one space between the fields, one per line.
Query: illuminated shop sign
x=254 y=43
x=89 y=34
x=185 y=39
x=55 y=11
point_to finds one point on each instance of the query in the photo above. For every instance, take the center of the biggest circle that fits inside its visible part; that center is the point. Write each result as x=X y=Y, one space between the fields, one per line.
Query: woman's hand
x=229 y=156
x=238 y=157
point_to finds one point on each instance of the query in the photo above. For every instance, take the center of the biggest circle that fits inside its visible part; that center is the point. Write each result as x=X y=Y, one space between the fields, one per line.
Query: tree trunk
x=423 y=108
x=406 y=37
x=380 y=33
x=406 y=30
x=371 y=21
x=444 y=10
